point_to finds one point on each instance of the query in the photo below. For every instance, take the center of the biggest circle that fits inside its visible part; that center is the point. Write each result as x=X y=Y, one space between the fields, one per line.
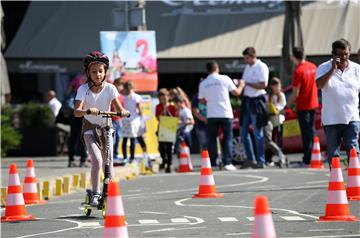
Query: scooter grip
x=119 y=114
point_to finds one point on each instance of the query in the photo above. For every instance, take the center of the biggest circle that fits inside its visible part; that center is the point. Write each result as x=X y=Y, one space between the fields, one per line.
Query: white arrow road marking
x=292 y=218
x=180 y=220
x=174 y=229
x=251 y=218
x=180 y=203
x=149 y=222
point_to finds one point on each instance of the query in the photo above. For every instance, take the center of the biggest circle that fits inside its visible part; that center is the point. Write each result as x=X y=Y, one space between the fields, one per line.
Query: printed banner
x=291 y=128
x=132 y=57
x=167 y=129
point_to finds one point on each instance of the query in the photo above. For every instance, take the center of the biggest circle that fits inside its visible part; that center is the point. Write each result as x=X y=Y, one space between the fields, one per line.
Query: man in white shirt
x=339 y=81
x=53 y=102
x=253 y=108
x=214 y=91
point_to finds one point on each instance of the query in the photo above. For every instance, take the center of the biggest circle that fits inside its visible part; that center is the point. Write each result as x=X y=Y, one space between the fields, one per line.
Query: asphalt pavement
x=161 y=205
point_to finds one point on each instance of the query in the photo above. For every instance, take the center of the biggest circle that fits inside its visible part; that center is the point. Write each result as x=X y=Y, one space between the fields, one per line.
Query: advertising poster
x=168 y=128
x=132 y=57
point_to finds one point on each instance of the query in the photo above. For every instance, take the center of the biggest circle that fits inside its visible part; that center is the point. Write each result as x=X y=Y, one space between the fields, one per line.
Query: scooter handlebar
x=105 y=113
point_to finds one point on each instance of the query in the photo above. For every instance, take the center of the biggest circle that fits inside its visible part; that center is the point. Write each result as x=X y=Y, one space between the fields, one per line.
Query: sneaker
x=95 y=200
x=230 y=167
x=261 y=166
x=249 y=164
x=168 y=169
x=72 y=164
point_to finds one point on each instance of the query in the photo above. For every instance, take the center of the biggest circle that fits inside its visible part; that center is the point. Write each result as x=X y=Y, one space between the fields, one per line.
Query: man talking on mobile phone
x=339 y=81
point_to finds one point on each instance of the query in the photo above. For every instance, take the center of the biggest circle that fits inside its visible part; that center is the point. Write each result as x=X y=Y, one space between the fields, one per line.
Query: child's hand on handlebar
x=93 y=111
x=125 y=113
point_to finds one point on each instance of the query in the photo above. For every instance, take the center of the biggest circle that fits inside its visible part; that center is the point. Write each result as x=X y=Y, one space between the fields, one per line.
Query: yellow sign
x=291 y=128
x=146 y=106
x=167 y=129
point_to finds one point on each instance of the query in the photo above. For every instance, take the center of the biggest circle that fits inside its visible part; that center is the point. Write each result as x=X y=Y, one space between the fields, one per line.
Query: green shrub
x=36 y=115
x=10 y=138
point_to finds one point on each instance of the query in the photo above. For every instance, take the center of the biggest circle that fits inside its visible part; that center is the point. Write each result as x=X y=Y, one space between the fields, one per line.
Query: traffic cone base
x=17 y=218
x=209 y=195
x=353 y=180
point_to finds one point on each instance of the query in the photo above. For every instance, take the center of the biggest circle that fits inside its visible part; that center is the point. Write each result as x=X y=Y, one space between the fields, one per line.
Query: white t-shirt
x=256 y=73
x=184 y=115
x=101 y=100
x=340 y=96
x=279 y=105
x=215 y=90
x=130 y=102
x=55 y=106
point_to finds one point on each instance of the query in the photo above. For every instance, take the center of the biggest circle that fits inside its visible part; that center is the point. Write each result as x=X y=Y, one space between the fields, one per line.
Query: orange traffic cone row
x=207 y=187
x=337 y=206
x=31 y=195
x=353 y=179
x=184 y=165
x=115 y=223
x=263 y=223
x=316 y=162
x=15 y=206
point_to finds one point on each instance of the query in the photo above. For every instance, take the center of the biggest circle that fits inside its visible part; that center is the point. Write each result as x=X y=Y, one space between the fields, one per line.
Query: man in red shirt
x=305 y=96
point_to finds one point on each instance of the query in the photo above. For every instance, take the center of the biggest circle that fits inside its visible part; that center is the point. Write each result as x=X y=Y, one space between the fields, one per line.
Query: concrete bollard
x=66 y=185
x=83 y=180
x=46 y=190
x=75 y=183
x=58 y=187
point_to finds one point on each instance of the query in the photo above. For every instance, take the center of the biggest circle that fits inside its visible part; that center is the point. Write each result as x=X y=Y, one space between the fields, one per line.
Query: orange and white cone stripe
x=184 y=166
x=15 y=206
x=353 y=179
x=31 y=195
x=115 y=222
x=263 y=223
x=316 y=162
x=337 y=206
x=207 y=188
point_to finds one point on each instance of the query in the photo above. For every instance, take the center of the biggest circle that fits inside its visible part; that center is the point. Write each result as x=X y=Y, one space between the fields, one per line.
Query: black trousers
x=75 y=144
x=307 y=127
x=165 y=149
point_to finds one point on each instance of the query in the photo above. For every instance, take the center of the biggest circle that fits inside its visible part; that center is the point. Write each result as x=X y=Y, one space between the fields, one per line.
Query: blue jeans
x=117 y=137
x=213 y=125
x=201 y=136
x=307 y=127
x=247 y=119
x=348 y=134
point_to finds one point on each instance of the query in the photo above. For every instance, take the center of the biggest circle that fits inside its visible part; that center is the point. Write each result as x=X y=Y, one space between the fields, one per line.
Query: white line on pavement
x=237 y=234
x=149 y=222
x=180 y=203
x=149 y=212
x=175 y=229
x=251 y=218
x=180 y=220
x=292 y=218
x=228 y=219
x=327 y=229
x=319 y=181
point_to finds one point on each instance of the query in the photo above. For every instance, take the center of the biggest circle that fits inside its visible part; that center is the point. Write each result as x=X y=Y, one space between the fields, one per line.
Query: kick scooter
x=107 y=130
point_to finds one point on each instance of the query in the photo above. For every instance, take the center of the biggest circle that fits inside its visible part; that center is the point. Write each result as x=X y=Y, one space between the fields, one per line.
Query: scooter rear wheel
x=87 y=210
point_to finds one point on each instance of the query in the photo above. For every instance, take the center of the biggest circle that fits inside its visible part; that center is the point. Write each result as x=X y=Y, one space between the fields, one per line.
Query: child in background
x=186 y=122
x=130 y=126
x=116 y=121
x=141 y=140
x=164 y=108
x=277 y=98
x=276 y=102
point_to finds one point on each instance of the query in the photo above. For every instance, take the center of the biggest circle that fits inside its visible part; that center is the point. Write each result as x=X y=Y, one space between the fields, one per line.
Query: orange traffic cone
x=184 y=165
x=207 y=187
x=316 y=162
x=15 y=206
x=263 y=223
x=115 y=223
x=31 y=195
x=353 y=179
x=337 y=206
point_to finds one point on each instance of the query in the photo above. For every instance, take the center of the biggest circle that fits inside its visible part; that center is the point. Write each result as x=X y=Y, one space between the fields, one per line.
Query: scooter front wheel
x=87 y=209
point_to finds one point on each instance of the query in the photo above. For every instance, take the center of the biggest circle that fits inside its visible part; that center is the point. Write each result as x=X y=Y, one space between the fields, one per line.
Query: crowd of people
x=209 y=112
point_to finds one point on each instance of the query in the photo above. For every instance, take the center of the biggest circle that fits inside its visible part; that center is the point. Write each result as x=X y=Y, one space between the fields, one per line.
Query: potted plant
x=10 y=138
x=37 y=126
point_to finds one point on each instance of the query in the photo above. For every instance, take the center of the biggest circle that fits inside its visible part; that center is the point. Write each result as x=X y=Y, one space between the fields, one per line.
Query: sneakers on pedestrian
x=249 y=164
x=72 y=164
x=95 y=200
x=261 y=166
x=230 y=167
